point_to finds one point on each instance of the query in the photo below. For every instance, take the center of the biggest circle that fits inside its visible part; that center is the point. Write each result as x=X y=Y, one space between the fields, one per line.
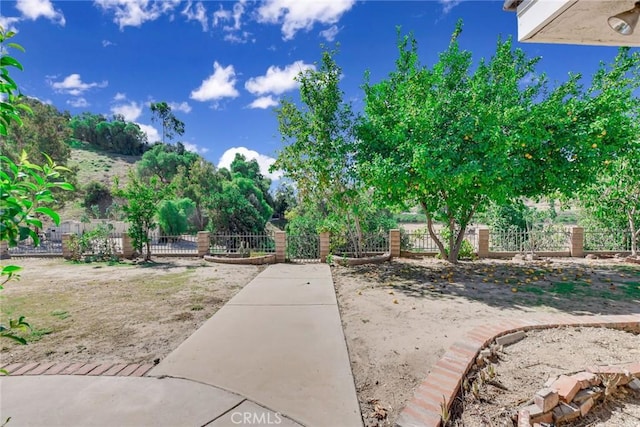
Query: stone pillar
x=577 y=242
x=4 y=250
x=281 y=246
x=483 y=242
x=203 y=243
x=127 y=246
x=66 y=250
x=325 y=241
x=394 y=243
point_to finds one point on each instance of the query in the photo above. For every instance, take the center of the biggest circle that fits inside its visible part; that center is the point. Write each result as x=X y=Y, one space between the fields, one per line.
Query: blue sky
x=223 y=65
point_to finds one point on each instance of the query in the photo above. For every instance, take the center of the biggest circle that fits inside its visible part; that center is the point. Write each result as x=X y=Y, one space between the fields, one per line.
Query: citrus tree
x=454 y=136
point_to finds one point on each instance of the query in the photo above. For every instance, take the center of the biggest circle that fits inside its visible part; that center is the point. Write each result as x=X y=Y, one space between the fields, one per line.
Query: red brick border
x=443 y=382
x=91 y=369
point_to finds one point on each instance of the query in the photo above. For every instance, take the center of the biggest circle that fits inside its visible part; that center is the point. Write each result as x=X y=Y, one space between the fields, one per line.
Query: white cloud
x=78 y=103
x=277 y=80
x=264 y=102
x=130 y=111
x=34 y=9
x=221 y=15
x=199 y=14
x=7 y=22
x=221 y=84
x=295 y=15
x=107 y=43
x=73 y=85
x=134 y=13
x=240 y=37
x=119 y=96
x=447 y=5
x=264 y=161
x=152 y=133
x=183 y=106
x=330 y=33
x=194 y=148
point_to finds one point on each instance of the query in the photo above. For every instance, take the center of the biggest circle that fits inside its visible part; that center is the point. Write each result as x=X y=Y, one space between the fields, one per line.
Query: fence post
x=394 y=243
x=577 y=242
x=281 y=246
x=483 y=242
x=127 y=246
x=66 y=250
x=4 y=250
x=325 y=239
x=203 y=243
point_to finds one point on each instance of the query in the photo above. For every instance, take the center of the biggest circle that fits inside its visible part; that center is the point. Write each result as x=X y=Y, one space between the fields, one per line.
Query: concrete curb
x=443 y=383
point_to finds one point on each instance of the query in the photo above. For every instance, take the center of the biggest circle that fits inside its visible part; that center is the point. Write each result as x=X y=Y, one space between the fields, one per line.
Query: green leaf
x=8 y=61
x=50 y=213
x=10 y=269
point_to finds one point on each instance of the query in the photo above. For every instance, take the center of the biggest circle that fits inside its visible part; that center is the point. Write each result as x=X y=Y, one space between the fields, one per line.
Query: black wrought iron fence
x=50 y=244
x=421 y=241
x=607 y=240
x=367 y=244
x=539 y=239
x=303 y=248
x=186 y=244
x=246 y=244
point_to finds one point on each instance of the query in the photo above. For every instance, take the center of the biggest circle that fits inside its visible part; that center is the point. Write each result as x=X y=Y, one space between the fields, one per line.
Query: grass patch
x=60 y=314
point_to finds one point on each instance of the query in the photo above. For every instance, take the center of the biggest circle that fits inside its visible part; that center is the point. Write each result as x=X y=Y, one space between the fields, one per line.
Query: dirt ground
x=120 y=313
x=400 y=317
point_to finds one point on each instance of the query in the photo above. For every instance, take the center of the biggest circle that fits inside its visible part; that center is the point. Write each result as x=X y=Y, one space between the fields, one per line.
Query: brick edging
x=80 y=368
x=442 y=384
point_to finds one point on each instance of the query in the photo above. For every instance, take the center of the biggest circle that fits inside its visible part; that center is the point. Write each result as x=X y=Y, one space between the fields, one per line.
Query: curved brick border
x=91 y=369
x=446 y=376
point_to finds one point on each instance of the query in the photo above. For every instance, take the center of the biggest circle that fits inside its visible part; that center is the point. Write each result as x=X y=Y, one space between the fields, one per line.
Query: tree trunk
x=432 y=233
x=635 y=234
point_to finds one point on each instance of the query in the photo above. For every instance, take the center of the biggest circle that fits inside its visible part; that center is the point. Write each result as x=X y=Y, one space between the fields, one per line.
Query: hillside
x=95 y=166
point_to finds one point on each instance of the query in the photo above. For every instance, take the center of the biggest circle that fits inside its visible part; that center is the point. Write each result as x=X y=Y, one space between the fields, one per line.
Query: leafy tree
x=319 y=155
x=453 y=137
x=97 y=194
x=614 y=199
x=284 y=200
x=115 y=136
x=25 y=188
x=171 y=126
x=250 y=169
x=46 y=130
x=199 y=183
x=140 y=208
x=163 y=161
x=173 y=216
x=240 y=207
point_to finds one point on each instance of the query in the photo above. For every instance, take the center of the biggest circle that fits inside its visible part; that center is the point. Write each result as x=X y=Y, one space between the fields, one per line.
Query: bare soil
x=122 y=313
x=400 y=317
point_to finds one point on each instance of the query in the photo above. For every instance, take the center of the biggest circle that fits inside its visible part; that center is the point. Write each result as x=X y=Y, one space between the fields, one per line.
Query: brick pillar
x=394 y=243
x=66 y=250
x=4 y=250
x=281 y=246
x=325 y=239
x=483 y=242
x=203 y=243
x=127 y=246
x=577 y=242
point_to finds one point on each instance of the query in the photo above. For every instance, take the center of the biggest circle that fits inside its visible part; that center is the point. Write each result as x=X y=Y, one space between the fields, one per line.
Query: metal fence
x=421 y=241
x=160 y=244
x=607 y=240
x=247 y=244
x=538 y=239
x=369 y=244
x=303 y=248
x=50 y=244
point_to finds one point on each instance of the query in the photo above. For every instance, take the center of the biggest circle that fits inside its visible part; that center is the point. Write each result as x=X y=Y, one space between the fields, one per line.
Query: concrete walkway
x=273 y=355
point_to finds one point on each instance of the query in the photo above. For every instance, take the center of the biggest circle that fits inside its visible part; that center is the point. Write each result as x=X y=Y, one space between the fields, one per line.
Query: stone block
x=586 y=406
x=588 y=393
x=536 y=415
x=509 y=339
x=566 y=387
x=565 y=412
x=546 y=399
x=586 y=379
x=634 y=384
